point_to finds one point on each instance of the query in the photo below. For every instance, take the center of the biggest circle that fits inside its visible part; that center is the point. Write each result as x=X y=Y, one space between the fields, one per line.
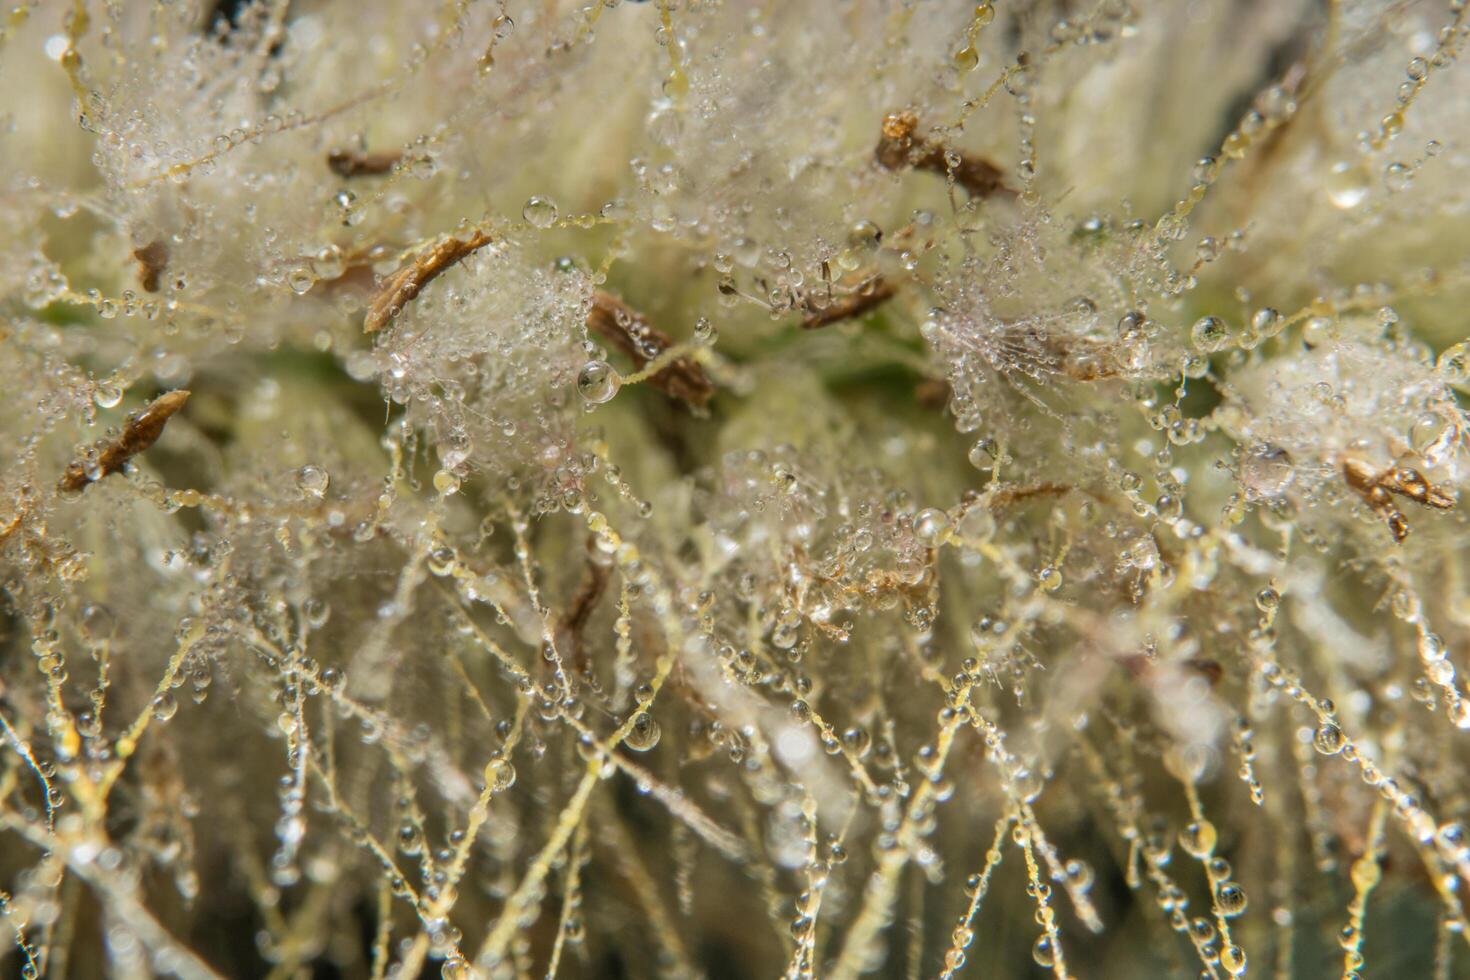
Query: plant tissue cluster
x=734 y=488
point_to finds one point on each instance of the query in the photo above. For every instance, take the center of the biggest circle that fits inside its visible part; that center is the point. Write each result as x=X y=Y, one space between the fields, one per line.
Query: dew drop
x=107 y=395
x=598 y=382
x=1044 y=953
x=500 y=775
x=1231 y=898
x=1347 y=185
x=1198 y=839
x=539 y=212
x=931 y=525
x=312 y=480
x=644 y=734
x=165 y=706
x=1210 y=333
x=1329 y=739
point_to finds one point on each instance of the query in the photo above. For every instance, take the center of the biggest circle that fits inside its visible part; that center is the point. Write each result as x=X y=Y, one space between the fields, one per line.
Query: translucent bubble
x=1432 y=435
x=1398 y=176
x=864 y=235
x=1266 y=471
x=1231 y=898
x=977 y=524
x=107 y=395
x=1453 y=364
x=1198 y=839
x=165 y=706
x=446 y=482
x=540 y=212
x=312 y=481
x=1347 y=185
x=98 y=622
x=598 y=382
x=1329 y=739
x=982 y=454
x=442 y=560
x=1210 y=333
x=644 y=734
x=500 y=775
x=300 y=279
x=784 y=637
x=931 y=524
x=1266 y=321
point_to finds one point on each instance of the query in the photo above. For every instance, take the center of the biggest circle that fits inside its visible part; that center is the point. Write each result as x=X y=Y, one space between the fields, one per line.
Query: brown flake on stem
x=630 y=332
x=140 y=431
x=399 y=289
x=350 y=163
x=901 y=148
x=872 y=294
x=1378 y=489
x=152 y=259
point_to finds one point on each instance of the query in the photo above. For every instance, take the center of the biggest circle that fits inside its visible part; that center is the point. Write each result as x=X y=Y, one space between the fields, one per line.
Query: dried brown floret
x=872 y=294
x=932 y=393
x=399 y=289
x=900 y=147
x=140 y=431
x=627 y=330
x=152 y=260
x=350 y=163
x=1378 y=487
x=579 y=611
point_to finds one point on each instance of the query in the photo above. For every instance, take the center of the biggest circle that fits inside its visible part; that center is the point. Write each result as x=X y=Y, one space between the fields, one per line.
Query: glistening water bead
x=312 y=481
x=598 y=382
x=540 y=212
x=1169 y=537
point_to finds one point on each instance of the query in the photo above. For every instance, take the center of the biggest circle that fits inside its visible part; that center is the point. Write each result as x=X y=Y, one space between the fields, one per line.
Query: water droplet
x=598 y=382
x=1198 y=839
x=1210 y=333
x=107 y=395
x=300 y=279
x=312 y=481
x=865 y=236
x=1453 y=364
x=1044 y=953
x=644 y=734
x=165 y=706
x=1329 y=739
x=931 y=525
x=1398 y=176
x=982 y=454
x=1231 y=898
x=500 y=775
x=1347 y=185
x=539 y=212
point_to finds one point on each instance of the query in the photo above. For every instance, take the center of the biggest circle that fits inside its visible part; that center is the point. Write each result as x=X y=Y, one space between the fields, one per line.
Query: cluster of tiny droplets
x=690 y=488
